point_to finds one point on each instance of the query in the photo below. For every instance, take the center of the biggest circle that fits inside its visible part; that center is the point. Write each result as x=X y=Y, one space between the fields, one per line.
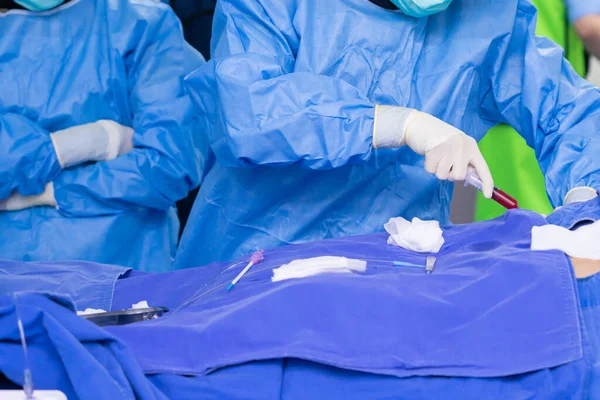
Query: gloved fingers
x=459 y=171
x=432 y=160
x=482 y=169
x=17 y=202
x=445 y=166
x=3 y=205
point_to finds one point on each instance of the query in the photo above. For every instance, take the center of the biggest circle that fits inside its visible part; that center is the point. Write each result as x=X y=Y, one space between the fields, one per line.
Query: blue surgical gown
x=289 y=98
x=85 y=61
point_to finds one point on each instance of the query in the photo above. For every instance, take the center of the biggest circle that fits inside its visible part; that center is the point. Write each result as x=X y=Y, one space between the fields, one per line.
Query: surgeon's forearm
x=141 y=178
x=27 y=157
x=588 y=29
x=310 y=120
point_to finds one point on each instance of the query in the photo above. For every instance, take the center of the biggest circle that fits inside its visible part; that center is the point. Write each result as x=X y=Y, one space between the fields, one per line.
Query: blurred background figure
x=513 y=163
x=585 y=16
x=95 y=131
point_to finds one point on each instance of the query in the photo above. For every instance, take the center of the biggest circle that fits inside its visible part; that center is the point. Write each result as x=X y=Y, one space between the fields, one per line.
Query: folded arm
x=27 y=159
x=162 y=167
x=264 y=111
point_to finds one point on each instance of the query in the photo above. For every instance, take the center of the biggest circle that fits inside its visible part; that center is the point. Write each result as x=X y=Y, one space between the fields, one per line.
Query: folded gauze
x=581 y=243
x=318 y=265
x=419 y=236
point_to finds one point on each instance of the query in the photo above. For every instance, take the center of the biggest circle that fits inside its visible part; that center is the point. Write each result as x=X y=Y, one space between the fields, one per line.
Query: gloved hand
x=99 y=141
x=448 y=151
x=18 y=202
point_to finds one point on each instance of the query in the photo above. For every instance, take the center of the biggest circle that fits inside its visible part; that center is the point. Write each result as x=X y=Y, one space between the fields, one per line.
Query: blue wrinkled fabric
x=58 y=360
x=292 y=379
x=28 y=160
x=326 y=318
x=289 y=97
x=589 y=297
x=576 y=213
x=67 y=353
x=88 y=285
x=85 y=61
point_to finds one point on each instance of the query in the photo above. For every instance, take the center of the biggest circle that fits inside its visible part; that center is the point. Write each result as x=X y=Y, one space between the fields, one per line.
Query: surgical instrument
x=406 y=264
x=124 y=317
x=430 y=263
x=498 y=195
x=254 y=259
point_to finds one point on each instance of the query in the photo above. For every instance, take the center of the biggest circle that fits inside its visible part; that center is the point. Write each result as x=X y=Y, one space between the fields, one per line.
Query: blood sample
x=498 y=195
x=504 y=199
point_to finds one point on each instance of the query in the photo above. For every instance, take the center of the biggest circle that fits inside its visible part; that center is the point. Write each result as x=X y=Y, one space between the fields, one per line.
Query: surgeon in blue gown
x=327 y=118
x=95 y=131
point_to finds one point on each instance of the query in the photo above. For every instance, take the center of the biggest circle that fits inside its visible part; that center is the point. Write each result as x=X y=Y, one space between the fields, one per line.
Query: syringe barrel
x=473 y=180
x=504 y=199
x=498 y=195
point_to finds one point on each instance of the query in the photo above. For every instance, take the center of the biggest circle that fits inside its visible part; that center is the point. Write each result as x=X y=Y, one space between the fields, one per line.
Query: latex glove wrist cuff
x=99 y=141
x=114 y=139
x=80 y=144
x=389 y=126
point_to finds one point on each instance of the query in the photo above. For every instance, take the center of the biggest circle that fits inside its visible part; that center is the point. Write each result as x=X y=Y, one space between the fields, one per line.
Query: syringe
x=498 y=195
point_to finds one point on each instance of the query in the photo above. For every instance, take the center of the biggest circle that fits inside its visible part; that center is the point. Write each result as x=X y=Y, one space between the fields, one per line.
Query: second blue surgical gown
x=290 y=96
x=85 y=61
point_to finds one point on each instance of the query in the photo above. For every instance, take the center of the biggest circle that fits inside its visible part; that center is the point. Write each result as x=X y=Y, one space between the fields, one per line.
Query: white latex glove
x=18 y=202
x=448 y=151
x=99 y=141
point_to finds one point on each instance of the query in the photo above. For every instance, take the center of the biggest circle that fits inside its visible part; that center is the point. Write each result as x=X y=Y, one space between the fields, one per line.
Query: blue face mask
x=421 y=8
x=39 y=5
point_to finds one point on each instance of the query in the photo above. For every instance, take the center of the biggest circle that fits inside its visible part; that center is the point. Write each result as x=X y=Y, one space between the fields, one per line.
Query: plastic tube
x=499 y=196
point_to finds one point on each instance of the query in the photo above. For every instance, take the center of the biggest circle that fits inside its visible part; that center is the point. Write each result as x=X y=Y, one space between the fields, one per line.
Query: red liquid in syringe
x=499 y=196
x=504 y=199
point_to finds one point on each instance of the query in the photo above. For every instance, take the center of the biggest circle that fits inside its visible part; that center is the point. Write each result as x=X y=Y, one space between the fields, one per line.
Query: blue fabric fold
x=574 y=214
x=67 y=352
x=89 y=285
x=491 y=308
x=490 y=262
